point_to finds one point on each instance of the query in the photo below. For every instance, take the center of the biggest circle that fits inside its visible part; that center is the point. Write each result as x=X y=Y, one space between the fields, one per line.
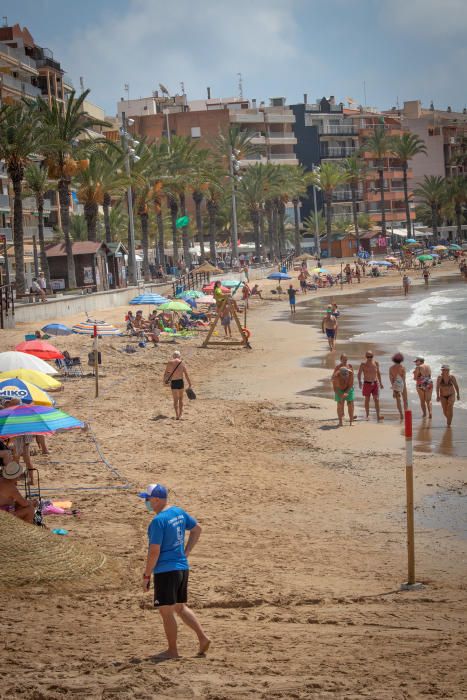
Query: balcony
x=390 y=130
x=18 y=59
x=337 y=151
x=22 y=88
x=29 y=232
x=279 y=118
x=389 y=195
x=258 y=139
x=29 y=204
x=47 y=62
x=346 y=195
x=337 y=130
x=4 y=202
x=283 y=158
x=287 y=138
x=391 y=215
x=246 y=117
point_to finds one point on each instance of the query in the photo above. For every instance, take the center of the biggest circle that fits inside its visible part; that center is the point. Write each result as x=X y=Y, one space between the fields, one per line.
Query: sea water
x=430 y=322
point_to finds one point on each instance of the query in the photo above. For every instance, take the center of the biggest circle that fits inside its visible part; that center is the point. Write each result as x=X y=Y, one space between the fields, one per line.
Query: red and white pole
x=409 y=492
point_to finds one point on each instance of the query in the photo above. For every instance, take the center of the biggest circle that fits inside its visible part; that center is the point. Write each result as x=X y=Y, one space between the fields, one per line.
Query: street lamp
x=315 y=208
x=129 y=152
x=234 y=169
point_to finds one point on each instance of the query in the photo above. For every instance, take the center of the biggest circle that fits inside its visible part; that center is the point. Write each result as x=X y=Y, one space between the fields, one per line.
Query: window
x=195 y=132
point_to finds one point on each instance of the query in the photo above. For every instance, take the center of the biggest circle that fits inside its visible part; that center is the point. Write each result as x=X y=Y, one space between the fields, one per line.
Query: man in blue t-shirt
x=167 y=560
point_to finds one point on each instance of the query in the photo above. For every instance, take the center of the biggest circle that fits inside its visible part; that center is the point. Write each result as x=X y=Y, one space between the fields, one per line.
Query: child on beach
x=397 y=379
x=226 y=321
x=292 y=298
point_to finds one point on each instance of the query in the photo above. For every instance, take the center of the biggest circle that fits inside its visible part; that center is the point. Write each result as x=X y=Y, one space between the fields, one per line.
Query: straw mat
x=33 y=555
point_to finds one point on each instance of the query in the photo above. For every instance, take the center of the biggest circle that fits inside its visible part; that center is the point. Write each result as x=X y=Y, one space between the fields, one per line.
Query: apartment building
x=445 y=135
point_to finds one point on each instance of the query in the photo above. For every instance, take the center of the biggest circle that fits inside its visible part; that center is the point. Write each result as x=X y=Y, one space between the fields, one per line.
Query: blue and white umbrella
x=279 y=276
x=382 y=263
x=150 y=299
x=57 y=329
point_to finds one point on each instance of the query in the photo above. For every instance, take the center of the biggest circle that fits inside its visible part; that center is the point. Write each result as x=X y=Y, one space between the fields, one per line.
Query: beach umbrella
x=434 y=255
x=411 y=240
x=206 y=299
x=363 y=254
x=152 y=299
x=179 y=306
x=57 y=329
x=454 y=246
x=304 y=256
x=24 y=391
x=207 y=267
x=209 y=288
x=230 y=284
x=391 y=258
x=39 y=379
x=189 y=300
x=382 y=263
x=439 y=247
x=23 y=360
x=320 y=271
x=189 y=294
x=279 y=276
x=40 y=348
x=36 y=420
x=425 y=258
x=103 y=328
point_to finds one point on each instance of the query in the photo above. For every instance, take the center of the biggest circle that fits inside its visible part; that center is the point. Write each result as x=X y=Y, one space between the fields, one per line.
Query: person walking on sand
x=371 y=384
x=329 y=326
x=406 y=284
x=397 y=380
x=424 y=382
x=167 y=559
x=446 y=390
x=174 y=373
x=342 y=383
x=292 y=298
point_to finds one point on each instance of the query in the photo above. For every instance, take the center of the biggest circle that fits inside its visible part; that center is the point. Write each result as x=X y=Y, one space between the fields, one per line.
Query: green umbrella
x=175 y=306
x=182 y=221
x=454 y=246
x=424 y=258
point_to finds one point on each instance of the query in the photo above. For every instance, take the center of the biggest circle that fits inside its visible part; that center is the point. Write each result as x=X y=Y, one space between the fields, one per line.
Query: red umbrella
x=209 y=288
x=40 y=348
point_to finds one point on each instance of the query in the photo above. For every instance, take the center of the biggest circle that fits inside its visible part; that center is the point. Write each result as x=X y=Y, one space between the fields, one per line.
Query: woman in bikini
x=446 y=390
x=422 y=376
x=174 y=374
x=397 y=379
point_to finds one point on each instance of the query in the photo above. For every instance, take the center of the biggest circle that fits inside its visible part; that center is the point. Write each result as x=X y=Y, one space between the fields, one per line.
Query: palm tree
x=19 y=139
x=235 y=144
x=327 y=178
x=380 y=145
x=252 y=192
x=405 y=148
x=64 y=137
x=456 y=194
x=37 y=179
x=294 y=184
x=432 y=193
x=204 y=169
x=355 y=169
x=118 y=222
x=213 y=198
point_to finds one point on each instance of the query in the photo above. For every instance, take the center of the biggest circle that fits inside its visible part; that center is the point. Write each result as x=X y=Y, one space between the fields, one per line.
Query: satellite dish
x=163 y=89
x=350 y=100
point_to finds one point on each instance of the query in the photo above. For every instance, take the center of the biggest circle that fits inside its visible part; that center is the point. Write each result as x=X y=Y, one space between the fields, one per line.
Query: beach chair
x=32 y=491
x=70 y=367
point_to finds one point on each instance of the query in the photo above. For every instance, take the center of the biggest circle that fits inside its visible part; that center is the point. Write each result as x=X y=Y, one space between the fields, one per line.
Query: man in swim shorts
x=342 y=382
x=371 y=384
x=167 y=560
x=329 y=326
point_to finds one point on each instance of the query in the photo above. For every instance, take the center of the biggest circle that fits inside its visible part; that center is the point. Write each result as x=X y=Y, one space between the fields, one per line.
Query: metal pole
x=315 y=206
x=234 y=207
x=410 y=508
x=5 y=256
x=36 y=258
x=96 y=361
x=131 y=252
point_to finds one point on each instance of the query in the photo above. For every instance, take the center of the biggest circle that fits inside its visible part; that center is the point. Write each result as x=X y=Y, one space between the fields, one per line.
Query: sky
x=390 y=50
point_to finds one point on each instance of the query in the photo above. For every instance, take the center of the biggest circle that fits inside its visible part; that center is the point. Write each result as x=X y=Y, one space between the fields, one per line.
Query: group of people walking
x=371 y=383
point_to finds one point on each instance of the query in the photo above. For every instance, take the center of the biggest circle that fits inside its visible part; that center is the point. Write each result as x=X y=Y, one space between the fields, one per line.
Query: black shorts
x=170 y=587
x=177 y=384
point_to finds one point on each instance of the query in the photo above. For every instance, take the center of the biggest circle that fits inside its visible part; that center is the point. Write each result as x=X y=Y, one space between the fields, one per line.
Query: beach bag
x=191 y=394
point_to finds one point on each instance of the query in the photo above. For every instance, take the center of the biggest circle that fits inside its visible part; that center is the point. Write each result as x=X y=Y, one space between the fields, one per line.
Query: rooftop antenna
x=182 y=87
x=397 y=102
x=81 y=83
x=126 y=88
x=240 y=86
x=364 y=93
x=163 y=89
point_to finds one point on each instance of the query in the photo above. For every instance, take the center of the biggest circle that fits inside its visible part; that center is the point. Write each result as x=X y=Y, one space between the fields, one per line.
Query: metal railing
x=346 y=195
x=283 y=156
x=191 y=280
x=7 y=304
x=19 y=85
x=18 y=56
x=4 y=201
x=338 y=129
x=338 y=151
x=285 y=135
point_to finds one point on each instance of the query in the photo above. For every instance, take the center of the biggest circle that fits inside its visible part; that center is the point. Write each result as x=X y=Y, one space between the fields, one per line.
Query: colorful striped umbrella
x=152 y=299
x=40 y=348
x=103 y=328
x=57 y=329
x=22 y=360
x=35 y=420
x=24 y=391
x=39 y=379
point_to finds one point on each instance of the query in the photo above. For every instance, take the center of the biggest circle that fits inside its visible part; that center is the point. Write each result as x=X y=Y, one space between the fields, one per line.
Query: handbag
x=190 y=393
x=171 y=374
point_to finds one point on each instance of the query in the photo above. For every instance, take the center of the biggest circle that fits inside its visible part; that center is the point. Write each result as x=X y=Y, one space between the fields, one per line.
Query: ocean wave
x=447 y=325
x=394 y=304
x=424 y=311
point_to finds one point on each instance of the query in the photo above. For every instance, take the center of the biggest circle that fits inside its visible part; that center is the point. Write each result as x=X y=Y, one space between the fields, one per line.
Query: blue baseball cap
x=155 y=491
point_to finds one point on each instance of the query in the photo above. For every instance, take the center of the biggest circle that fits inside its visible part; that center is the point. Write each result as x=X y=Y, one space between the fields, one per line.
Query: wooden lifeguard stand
x=221 y=307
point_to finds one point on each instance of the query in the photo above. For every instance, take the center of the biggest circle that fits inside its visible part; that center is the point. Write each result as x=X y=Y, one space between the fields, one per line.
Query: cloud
x=200 y=43
x=430 y=19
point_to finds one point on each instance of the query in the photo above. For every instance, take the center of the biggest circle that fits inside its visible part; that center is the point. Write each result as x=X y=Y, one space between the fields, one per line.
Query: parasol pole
x=96 y=360
x=411 y=583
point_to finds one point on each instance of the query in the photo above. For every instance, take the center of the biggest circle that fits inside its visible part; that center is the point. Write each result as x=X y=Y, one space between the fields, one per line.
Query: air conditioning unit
x=452 y=140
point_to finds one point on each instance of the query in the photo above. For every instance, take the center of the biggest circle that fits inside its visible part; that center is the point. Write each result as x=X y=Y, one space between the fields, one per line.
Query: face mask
x=148 y=507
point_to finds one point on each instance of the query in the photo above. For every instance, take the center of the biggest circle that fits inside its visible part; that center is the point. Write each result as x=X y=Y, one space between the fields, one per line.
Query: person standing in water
x=406 y=284
x=397 y=379
x=426 y=275
x=329 y=326
x=371 y=384
x=446 y=390
x=422 y=376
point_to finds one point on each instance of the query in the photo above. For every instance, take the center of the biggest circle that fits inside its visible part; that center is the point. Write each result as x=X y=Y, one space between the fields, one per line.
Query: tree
x=380 y=145
x=252 y=190
x=204 y=169
x=37 y=180
x=19 y=139
x=326 y=178
x=432 y=193
x=456 y=195
x=405 y=148
x=355 y=170
x=64 y=138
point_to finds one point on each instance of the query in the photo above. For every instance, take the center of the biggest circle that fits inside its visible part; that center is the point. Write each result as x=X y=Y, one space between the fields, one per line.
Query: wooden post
x=410 y=507
x=342 y=279
x=96 y=361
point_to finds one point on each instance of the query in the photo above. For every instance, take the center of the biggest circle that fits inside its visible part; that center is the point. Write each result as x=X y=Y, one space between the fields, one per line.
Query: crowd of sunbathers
x=161 y=321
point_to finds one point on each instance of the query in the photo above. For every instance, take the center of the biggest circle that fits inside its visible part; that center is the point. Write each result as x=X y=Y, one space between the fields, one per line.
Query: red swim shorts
x=371 y=389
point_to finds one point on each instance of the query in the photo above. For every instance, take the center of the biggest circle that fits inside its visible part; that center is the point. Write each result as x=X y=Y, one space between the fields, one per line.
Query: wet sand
x=297 y=574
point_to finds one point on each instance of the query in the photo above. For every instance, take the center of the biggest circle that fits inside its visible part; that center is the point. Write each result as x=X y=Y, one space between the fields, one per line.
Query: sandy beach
x=297 y=574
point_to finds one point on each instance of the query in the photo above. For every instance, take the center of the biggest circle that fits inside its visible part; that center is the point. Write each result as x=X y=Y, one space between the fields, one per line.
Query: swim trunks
x=330 y=332
x=170 y=587
x=338 y=395
x=177 y=384
x=371 y=389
